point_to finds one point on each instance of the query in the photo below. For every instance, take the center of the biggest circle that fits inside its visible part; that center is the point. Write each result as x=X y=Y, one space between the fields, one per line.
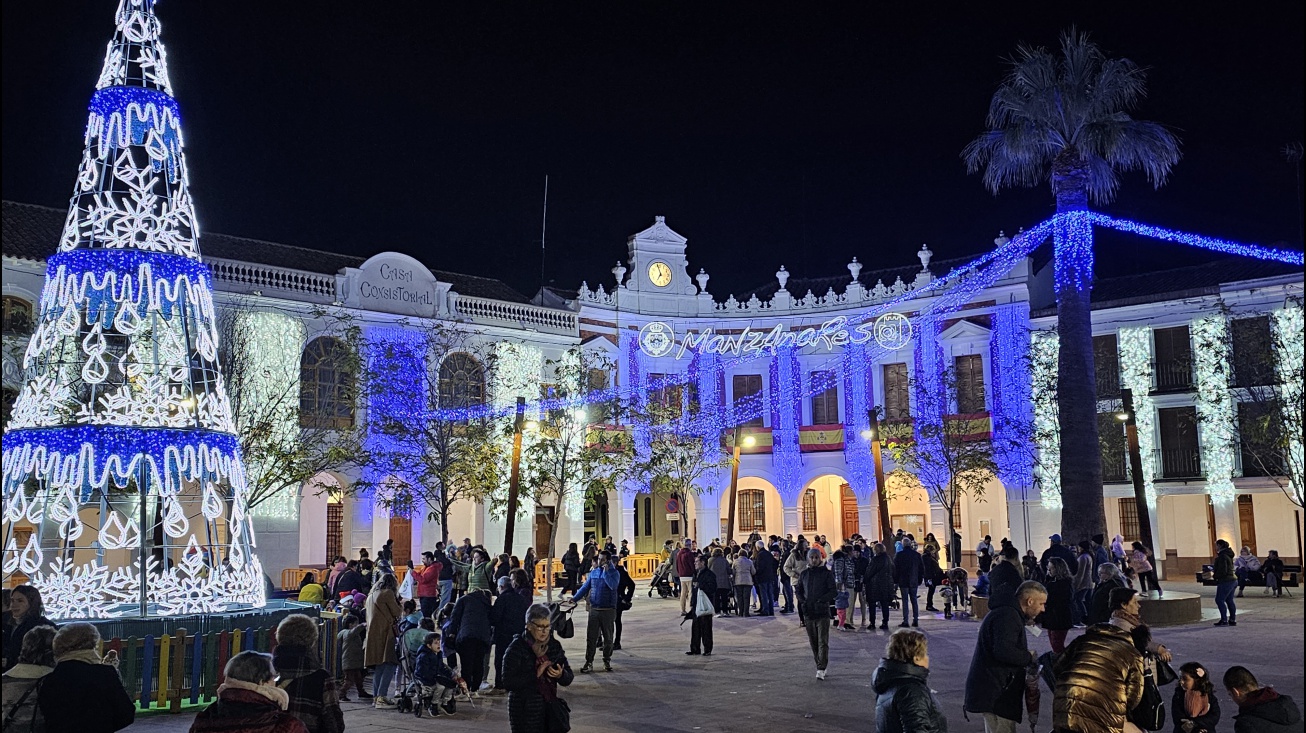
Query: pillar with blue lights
x=124 y=492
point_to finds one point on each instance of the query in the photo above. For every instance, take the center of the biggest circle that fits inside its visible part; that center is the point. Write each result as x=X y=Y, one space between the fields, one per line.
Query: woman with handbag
x=533 y=667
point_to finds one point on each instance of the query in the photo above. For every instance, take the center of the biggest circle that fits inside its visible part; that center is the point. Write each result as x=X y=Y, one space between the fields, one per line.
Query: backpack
x=1149 y=714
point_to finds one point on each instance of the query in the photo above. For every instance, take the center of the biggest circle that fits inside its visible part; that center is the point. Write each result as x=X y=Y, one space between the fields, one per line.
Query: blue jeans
x=789 y=594
x=1224 y=599
x=765 y=603
x=1079 y=606
x=909 y=593
x=382 y=677
x=446 y=592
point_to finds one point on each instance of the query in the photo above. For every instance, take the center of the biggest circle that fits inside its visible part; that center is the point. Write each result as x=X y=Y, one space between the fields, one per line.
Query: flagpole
x=544 y=228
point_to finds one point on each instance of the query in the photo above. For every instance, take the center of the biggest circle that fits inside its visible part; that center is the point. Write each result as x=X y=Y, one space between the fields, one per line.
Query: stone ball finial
x=855 y=268
x=1002 y=238
x=702 y=278
x=925 y=254
x=783 y=276
x=620 y=272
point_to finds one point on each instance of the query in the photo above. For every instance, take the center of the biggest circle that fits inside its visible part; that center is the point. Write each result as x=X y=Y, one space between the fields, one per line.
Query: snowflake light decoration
x=122 y=389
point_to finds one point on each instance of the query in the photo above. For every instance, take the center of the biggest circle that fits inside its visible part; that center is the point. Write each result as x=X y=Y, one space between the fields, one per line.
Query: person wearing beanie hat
x=84 y=692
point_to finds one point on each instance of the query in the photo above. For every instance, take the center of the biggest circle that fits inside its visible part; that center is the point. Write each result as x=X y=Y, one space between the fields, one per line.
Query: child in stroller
x=661 y=581
x=434 y=684
x=410 y=645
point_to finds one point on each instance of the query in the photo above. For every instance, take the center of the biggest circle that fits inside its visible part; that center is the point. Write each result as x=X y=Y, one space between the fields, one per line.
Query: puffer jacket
x=878 y=582
x=905 y=703
x=1223 y=570
x=845 y=575
x=1099 y=680
x=743 y=571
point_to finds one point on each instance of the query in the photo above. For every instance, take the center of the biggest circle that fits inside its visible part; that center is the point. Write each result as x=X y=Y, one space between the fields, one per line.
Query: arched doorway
x=661 y=517
x=321 y=520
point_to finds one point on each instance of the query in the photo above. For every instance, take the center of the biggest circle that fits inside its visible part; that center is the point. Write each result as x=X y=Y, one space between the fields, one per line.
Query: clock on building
x=660 y=274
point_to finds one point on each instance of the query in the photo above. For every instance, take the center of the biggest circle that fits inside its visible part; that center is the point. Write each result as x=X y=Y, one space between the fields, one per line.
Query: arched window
x=17 y=315
x=462 y=381
x=809 y=510
x=327 y=386
x=752 y=510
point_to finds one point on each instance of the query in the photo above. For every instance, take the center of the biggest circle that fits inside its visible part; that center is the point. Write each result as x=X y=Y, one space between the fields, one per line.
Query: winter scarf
x=90 y=656
x=273 y=693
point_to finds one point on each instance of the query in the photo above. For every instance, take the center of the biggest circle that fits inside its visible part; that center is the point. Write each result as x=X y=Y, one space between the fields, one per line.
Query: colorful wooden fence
x=161 y=673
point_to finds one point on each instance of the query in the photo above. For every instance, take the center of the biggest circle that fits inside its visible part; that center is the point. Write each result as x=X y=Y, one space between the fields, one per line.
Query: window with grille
x=1111 y=439
x=1106 y=362
x=1260 y=439
x=809 y=510
x=17 y=315
x=897 y=401
x=462 y=381
x=970 y=383
x=1174 y=359
x=752 y=511
x=747 y=385
x=335 y=538
x=825 y=405
x=327 y=386
x=1129 y=521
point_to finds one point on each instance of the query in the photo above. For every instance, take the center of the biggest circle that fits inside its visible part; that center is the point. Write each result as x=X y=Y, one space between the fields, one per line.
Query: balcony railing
x=1108 y=383
x=484 y=309
x=1180 y=463
x=1253 y=468
x=1173 y=375
x=1115 y=466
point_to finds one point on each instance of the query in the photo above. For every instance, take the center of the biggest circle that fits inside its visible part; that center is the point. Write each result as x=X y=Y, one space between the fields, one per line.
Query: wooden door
x=850 y=516
x=1246 y=522
x=543 y=527
x=401 y=531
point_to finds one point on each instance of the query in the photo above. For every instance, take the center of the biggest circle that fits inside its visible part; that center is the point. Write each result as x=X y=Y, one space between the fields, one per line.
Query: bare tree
x=950 y=456
x=425 y=459
x=681 y=452
x=284 y=446
x=570 y=459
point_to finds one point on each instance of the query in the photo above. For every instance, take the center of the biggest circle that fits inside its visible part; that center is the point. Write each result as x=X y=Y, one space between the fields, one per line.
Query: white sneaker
x=383 y=702
x=820 y=674
x=485 y=686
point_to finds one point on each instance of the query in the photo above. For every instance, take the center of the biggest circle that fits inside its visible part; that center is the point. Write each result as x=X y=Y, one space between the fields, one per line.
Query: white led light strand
x=1287 y=325
x=1215 y=410
x=1136 y=374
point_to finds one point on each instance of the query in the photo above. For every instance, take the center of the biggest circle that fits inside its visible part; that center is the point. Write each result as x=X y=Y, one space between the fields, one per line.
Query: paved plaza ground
x=761 y=677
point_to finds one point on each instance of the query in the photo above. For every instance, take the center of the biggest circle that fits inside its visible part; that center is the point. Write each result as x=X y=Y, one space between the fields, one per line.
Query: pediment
x=660 y=234
x=599 y=342
x=965 y=331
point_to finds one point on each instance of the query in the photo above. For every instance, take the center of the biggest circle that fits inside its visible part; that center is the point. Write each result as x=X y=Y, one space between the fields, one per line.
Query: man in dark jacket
x=995 y=684
x=786 y=582
x=907 y=572
x=700 y=634
x=1056 y=549
x=1260 y=709
x=816 y=591
x=446 y=576
x=625 y=599
x=1005 y=578
x=508 y=617
x=349 y=581
x=764 y=579
x=1100 y=555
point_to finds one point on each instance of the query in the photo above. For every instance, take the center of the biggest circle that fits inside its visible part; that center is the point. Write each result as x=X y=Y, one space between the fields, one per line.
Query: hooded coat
x=1099 y=680
x=1266 y=711
x=904 y=703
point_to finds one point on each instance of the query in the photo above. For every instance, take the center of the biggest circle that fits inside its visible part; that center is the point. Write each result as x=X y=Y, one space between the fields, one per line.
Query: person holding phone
x=601 y=588
x=533 y=668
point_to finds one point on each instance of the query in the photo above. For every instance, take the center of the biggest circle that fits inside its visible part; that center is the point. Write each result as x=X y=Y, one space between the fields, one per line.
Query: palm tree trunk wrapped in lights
x=1063 y=119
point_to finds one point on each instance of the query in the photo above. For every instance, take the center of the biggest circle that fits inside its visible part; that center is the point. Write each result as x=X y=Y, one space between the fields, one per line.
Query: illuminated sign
x=891 y=331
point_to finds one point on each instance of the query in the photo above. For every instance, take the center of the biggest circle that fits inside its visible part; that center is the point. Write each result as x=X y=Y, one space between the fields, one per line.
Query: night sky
x=798 y=133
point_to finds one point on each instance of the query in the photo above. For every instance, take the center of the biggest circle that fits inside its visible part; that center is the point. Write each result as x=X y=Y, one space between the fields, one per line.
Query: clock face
x=660 y=274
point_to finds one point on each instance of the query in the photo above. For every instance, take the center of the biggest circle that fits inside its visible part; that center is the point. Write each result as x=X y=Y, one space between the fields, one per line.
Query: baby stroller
x=955 y=593
x=661 y=581
x=409 y=688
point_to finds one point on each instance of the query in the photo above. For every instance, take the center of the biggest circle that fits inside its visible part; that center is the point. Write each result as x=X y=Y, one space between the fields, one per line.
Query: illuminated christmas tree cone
x=124 y=492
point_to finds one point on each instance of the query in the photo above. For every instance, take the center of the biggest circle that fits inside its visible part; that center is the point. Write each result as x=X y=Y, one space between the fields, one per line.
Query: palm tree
x=1063 y=119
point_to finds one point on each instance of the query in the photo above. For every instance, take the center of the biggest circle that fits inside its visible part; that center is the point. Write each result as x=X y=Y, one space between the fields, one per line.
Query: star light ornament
x=123 y=424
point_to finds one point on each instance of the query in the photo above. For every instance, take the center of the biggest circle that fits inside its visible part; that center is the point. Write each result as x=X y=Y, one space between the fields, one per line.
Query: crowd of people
x=433 y=639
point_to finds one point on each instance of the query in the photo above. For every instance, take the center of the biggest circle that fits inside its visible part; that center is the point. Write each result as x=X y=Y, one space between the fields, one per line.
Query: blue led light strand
x=1216 y=244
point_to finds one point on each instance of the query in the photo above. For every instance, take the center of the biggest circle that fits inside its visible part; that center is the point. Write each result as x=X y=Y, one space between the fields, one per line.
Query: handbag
x=558 y=716
x=1165 y=674
x=561 y=622
x=1149 y=714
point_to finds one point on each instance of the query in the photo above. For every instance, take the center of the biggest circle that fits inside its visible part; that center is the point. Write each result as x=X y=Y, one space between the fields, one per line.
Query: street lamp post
x=734 y=482
x=877 y=458
x=514 y=478
x=1136 y=468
